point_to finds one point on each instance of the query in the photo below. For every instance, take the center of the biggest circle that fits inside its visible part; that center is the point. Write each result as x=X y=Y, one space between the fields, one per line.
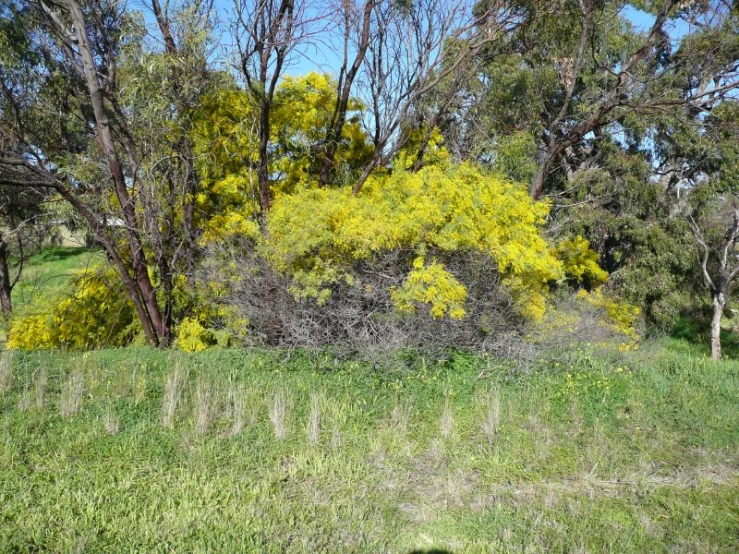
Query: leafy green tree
x=104 y=121
x=604 y=118
x=22 y=210
x=713 y=211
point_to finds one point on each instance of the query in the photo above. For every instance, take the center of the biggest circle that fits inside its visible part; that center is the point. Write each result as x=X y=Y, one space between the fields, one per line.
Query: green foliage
x=642 y=240
x=435 y=153
x=303 y=109
x=515 y=156
x=193 y=337
x=224 y=135
x=324 y=233
x=225 y=147
x=206 y=319
x=434 y=286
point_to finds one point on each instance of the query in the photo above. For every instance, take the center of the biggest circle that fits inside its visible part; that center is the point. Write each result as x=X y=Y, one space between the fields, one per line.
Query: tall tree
x=268 y=33
x=355 y=24
x=713 y=208
x=413 y=47
x=562 y=81
x=99 y=124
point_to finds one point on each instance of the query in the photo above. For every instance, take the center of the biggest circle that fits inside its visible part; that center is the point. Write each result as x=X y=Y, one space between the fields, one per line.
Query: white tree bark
x=719 y=303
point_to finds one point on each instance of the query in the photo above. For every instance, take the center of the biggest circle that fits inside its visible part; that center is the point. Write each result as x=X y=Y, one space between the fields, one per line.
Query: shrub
x=622 y=317
x=193 y=337
x=596 y=316
x=580 y=262
x=318 y=237
x=95 y=314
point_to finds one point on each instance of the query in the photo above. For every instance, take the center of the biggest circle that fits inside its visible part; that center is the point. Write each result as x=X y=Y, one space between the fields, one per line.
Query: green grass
x=585 y=452
x=46 y=275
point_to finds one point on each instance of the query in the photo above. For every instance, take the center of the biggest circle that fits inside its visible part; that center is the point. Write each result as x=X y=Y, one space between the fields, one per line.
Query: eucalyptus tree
x=575 y=70
x=22 y=203
x=712 y=206
x=100 y=117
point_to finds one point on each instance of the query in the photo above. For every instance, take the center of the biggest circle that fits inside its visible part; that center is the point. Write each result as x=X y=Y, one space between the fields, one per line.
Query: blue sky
x=323 y=57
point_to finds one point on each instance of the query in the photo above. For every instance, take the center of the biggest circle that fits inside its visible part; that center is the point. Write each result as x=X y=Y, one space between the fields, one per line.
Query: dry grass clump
x=6 y=371
x=401 y=418
x=491 y=415
x=72 y=390
x=237 y=403
x=314 y=419
x=42 y=381
x=278 y=413
x=244 y=403
x=24 y=404
x=110 y=420
x=446 y=424
x=173 y=385
x=205 y=406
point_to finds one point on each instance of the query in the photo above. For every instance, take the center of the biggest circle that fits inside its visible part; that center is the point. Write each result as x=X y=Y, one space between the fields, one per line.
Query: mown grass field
x=137 y=450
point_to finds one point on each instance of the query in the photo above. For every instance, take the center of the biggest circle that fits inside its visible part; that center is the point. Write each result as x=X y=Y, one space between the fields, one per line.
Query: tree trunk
x=107 y=144
x=719 y=303
x=263 y=170
x=371 y=166
x=5 y=288
x=338 y=119
x=537 y=184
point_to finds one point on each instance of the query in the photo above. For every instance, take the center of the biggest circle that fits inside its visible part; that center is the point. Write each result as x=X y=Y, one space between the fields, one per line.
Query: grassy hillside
x=138 y=450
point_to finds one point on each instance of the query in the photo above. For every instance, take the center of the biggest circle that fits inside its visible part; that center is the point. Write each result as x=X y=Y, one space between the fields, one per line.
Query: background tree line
x=458 y=168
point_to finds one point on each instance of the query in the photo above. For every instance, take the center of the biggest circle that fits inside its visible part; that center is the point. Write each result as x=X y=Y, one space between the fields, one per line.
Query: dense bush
x=318 y=237
x=449 y=256
x=96 y=313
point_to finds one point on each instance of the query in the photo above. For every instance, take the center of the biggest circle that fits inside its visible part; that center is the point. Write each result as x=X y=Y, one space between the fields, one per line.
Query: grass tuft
x=237 y=402
x=24 y=404
x=278 y=413
x=72 y=390
x=491 y=415
x=205 y=405
x=173 y=386
x=42 y=381
x=110 y=420
x=446 y=424
x=6 y=371
x=314 y=419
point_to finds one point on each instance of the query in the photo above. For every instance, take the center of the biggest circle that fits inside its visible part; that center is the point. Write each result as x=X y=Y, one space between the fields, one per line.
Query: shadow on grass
x=58 y=253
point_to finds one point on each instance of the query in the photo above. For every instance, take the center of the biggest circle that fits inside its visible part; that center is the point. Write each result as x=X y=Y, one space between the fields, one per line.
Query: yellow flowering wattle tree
x=224 y=137
x=302 y=111
x=95 y=314
x=319 y=236
x=225 y=148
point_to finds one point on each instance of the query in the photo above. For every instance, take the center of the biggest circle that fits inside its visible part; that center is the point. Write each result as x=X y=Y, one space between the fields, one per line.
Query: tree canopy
x=447 y=162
